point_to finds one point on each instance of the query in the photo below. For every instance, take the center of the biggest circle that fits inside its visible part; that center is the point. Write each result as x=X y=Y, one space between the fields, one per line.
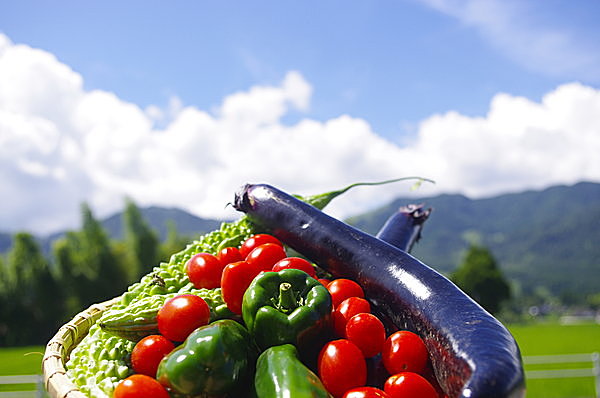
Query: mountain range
x=545 y=241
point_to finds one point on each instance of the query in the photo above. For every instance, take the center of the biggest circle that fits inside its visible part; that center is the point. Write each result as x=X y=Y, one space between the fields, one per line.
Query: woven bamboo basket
x=56 y=381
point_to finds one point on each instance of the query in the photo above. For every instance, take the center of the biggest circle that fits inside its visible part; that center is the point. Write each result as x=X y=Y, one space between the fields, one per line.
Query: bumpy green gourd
x=171 y=277
x=97 y=365
x=138 y=319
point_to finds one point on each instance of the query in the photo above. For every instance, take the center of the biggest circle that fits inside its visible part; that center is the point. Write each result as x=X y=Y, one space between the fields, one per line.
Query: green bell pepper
x=280 y=374
x=286 y=307
x=215 y=359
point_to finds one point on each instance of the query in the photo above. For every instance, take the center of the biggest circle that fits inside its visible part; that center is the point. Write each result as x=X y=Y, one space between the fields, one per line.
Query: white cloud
x=512 y=27
x=519 y=144
x=63 y=144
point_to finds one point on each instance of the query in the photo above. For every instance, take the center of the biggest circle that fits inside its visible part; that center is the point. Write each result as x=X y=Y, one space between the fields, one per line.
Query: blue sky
x=399 y=72
x=390 y=62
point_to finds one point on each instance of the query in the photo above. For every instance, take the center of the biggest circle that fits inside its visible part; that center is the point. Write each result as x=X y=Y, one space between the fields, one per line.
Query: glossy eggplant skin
x=472 y=353
x=403 y=228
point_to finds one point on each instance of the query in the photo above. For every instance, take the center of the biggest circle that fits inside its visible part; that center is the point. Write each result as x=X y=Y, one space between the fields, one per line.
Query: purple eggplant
x=472 y=353
x=403 y=228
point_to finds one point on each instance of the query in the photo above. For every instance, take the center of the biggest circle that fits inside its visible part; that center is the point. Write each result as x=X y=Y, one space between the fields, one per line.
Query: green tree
x=90 y=270
x=173 y=242
x=33 y=300
x=4 y=301
x=480 y=277
x=64 y=253
x=593 y=300
x=141 y=242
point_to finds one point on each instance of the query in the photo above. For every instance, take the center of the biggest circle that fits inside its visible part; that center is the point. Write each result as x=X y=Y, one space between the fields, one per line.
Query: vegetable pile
x=238 y=313
x=281 y=330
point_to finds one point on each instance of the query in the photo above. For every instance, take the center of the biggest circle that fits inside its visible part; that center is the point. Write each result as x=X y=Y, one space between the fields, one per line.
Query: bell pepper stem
x=287 y=299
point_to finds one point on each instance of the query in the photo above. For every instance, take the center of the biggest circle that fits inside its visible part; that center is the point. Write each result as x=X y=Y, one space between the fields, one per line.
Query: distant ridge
x=159 y=218
x=187 y=225
x=545 y=241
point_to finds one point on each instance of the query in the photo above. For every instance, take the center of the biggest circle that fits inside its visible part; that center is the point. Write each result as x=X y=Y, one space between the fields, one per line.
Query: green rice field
x=20 y=361
x=556 y=339
x=533 y=339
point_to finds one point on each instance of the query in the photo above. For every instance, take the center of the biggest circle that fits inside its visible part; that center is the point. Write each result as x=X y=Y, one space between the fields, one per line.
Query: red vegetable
x=341 y=366
x=341 y=289
x=297 y=263
x=404 y=351
x=409 y=385
x=365 y=392
x=140 y=386
x=181 y=315
x=265 y=256
x=324 y=281
x=256 y=240
x=148 y=352
x=204 y=271
x=367 y=332
x=229 y=255
x=346 y=310
x=235 y=280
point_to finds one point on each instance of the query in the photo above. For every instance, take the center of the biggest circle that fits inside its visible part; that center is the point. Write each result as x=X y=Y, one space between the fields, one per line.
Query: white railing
x=39 y=391
x=593 y=371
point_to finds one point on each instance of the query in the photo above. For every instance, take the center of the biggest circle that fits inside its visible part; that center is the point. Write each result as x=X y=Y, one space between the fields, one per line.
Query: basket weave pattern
x=57 y=352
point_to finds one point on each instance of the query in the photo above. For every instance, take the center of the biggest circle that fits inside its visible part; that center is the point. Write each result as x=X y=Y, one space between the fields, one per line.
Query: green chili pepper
x=215 y=359
x=285 y=307
x=280 y=374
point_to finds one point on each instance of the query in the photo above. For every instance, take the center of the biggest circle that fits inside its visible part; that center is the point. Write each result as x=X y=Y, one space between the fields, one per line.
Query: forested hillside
x=543 y=240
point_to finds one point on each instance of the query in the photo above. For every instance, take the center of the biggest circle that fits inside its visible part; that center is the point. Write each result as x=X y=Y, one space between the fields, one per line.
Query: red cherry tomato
x=235 y=280
x=346 y=310
x=341 y=366
x=229 y=255
x=367 y=332
x=204 y=271
x=256 y=240
x=409 y=384
x=404 y=351
x=148 y=352
x=265 y=256
x=365 y=392
x=341 y=289
x=140 y=386
x=181 y=315
x=297 y=263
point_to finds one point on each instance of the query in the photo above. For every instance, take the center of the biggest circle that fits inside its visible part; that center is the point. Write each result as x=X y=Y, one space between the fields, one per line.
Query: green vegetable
x=285 y=307
x=215 y=359
x=100 y=363
x=138 y=319
x=280 y=374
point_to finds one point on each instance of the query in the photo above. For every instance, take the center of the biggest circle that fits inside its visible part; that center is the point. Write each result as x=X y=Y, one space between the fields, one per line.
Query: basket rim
x=56 y=381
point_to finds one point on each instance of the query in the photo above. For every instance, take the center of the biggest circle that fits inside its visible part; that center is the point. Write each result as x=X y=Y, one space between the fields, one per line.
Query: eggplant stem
x=321 y=200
